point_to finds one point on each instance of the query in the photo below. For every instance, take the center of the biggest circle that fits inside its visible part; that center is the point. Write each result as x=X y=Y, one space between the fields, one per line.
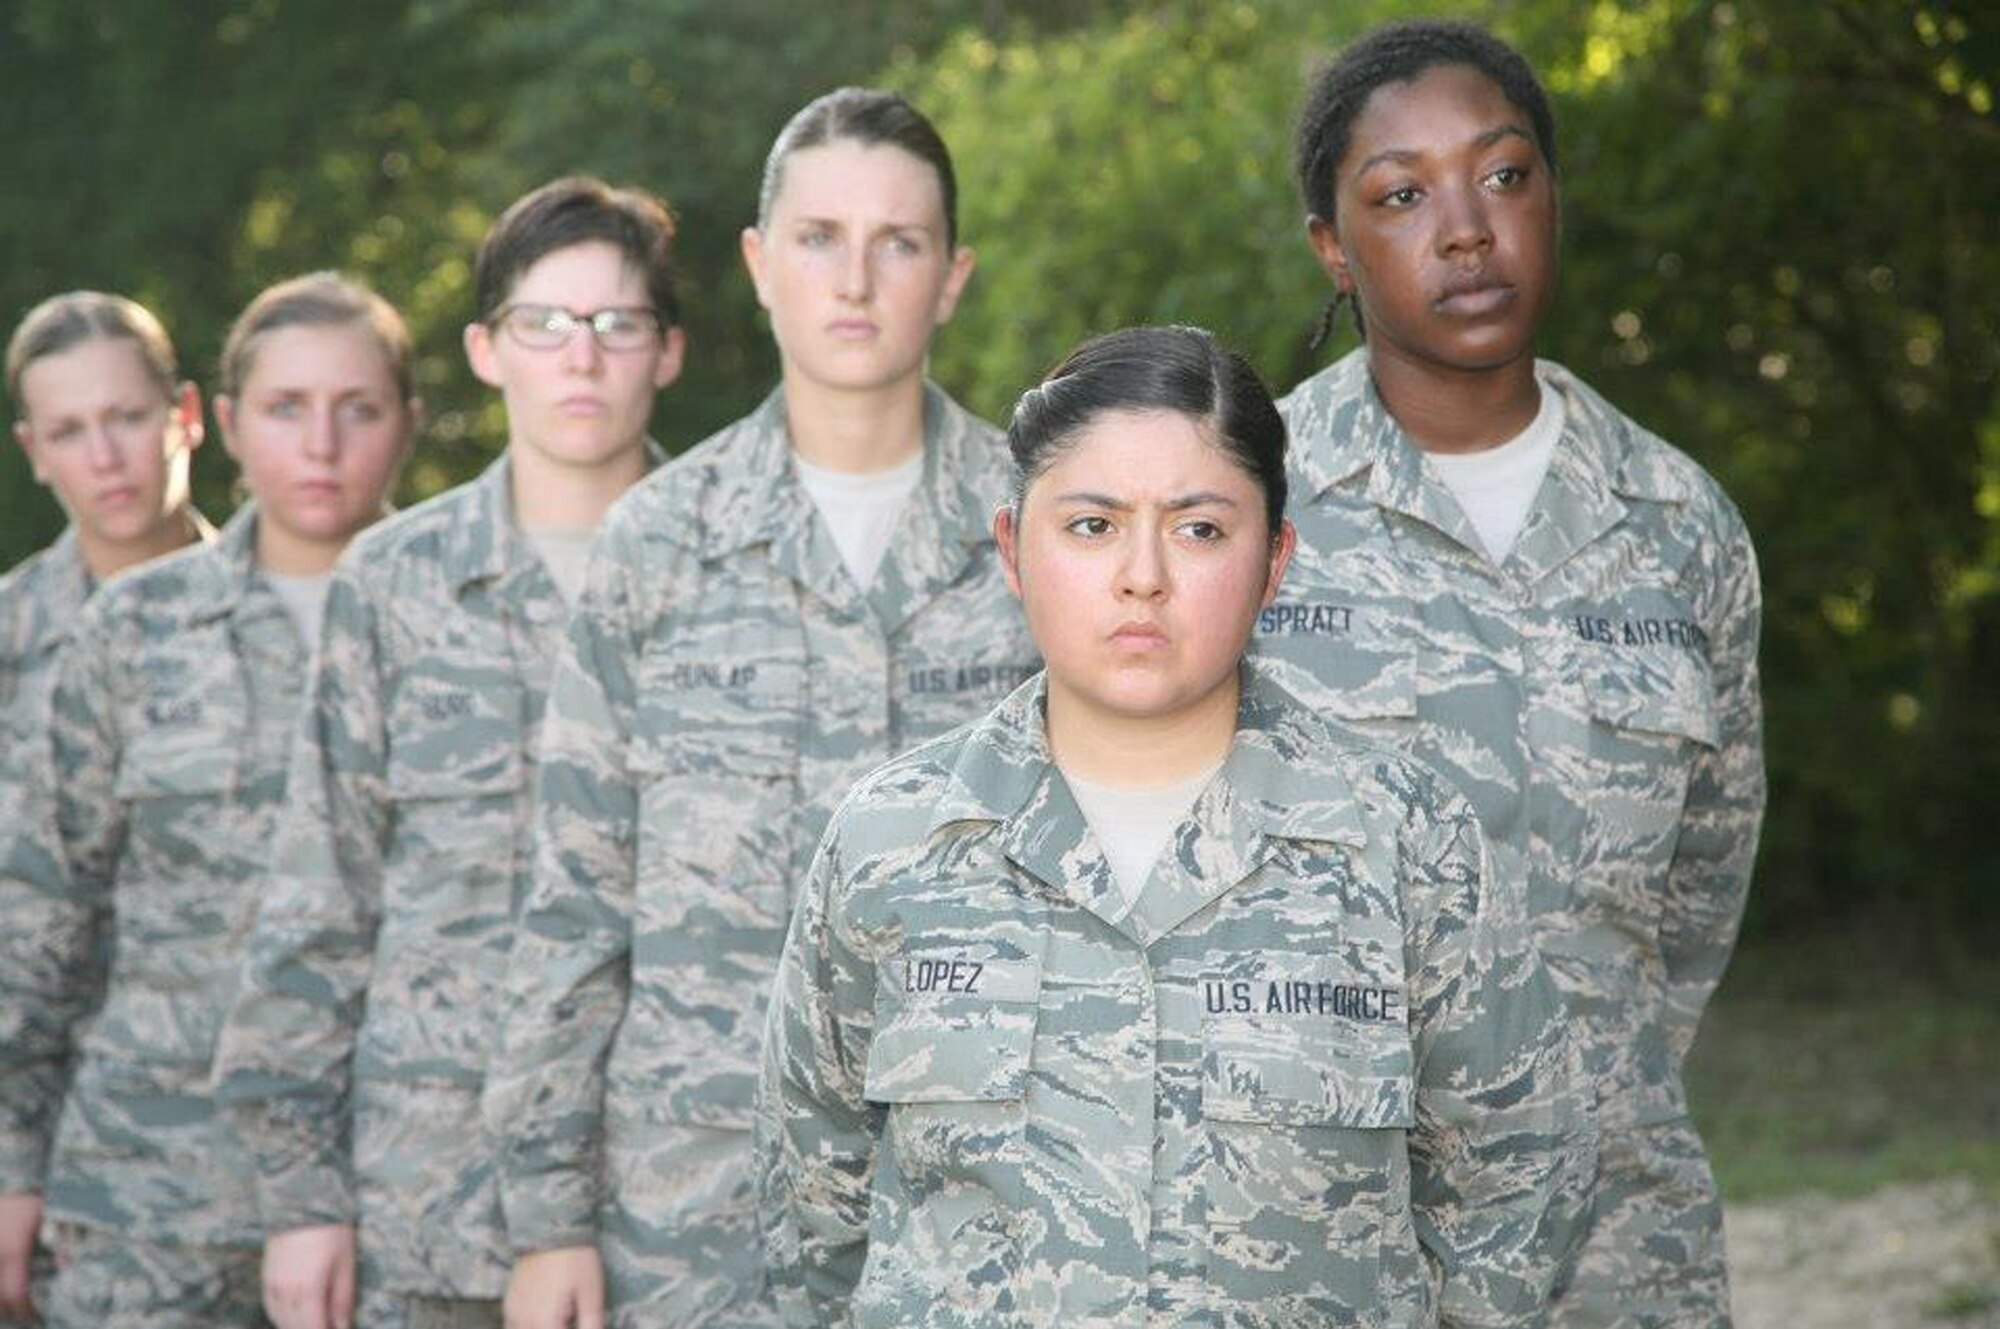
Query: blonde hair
x=317 y=299
x=64 y=321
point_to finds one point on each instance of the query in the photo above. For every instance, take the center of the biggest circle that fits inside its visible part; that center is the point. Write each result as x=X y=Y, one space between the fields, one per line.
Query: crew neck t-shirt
x=1133 y=826
x=861 y=510
x=565 y=552
x=1496 y=486
x=304 y=599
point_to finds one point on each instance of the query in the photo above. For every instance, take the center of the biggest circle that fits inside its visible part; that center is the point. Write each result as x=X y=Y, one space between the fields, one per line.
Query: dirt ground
x=1906 y=1257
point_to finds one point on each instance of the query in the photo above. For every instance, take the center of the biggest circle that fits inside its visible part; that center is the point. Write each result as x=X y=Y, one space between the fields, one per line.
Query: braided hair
x=1397 y=53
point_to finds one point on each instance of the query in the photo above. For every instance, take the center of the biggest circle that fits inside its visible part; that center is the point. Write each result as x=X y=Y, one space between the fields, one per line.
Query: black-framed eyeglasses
x=549 y=327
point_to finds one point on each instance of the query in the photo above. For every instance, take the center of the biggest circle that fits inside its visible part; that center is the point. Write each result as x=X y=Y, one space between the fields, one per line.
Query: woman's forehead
x=1444 y=108
x=846 y=176
x=1149 y=454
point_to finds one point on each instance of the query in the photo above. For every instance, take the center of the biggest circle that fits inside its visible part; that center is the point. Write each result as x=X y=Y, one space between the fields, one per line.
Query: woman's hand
x=309 y=1277
x=20 y=1221
x=557 y=1289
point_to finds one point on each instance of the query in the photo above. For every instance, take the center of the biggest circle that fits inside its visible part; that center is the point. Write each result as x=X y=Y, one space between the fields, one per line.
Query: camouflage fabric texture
x=723 y=684
x=1304 y=1079
x=172 y=712
x=40 y=601
x=1595 y=696
x=109 y=1281
x=354 y=1055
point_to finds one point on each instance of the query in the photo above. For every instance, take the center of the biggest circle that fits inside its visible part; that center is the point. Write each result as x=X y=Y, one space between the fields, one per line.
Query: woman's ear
x=1005 y=533
x=187 y=410
x=1287 y=540
x=1327 y=248
x=751 y=242
x=225 y=420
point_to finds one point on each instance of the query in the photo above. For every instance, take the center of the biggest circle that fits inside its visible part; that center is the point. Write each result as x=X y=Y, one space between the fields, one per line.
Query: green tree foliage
x=1784 y=218
x=189 y=154
x=1133 y=173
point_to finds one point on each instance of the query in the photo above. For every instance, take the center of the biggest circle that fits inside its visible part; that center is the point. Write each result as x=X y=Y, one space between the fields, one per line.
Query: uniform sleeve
x=1709 y=878
x=284 y=1068
x=1503 y=1151
x=815 y=1134
x=61 y=831
x=569 y=972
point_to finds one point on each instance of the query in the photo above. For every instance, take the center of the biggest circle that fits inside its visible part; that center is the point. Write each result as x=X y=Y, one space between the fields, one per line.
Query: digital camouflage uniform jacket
x=355 y=1052
x=39 y=604
x=1302 y=1080
x=172 y=711
x=1594 y=695
x=723 y=684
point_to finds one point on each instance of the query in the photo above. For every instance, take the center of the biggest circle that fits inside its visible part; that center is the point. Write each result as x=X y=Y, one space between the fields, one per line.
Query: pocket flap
x=1307 y=1043
x=175 y=759
x=450 y=739
x=717 y=711
x=953 y=1027
x=1659 y=692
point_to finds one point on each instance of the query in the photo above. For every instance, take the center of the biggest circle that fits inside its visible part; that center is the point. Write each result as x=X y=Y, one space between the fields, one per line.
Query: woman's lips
x=1473 y=296
x=1139 y=636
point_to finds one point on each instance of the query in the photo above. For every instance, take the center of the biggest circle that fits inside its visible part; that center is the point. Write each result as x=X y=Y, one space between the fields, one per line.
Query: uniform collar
x=68 y=578
x=760 y=501
x=218 y=584
x=1340 y=427
x=491 y=547
x=1345 y=435
x=1276 y=784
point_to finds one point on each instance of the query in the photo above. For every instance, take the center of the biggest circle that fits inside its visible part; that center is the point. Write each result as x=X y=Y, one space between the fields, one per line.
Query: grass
x=1835 y=1065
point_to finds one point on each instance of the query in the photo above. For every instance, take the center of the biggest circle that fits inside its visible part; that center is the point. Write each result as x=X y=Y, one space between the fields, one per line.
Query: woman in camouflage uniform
x=171 y=720
x=109 y=426
x=767 y=616
x=1149 y=999
x=1501 y=574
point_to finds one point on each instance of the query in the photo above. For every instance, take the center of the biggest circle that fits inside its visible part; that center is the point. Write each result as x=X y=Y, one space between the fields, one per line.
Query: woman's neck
x=551 y=496
x=855 y=431
x=290 y=554
x=1141 y=751
x=105 y=558
x=1448 y=410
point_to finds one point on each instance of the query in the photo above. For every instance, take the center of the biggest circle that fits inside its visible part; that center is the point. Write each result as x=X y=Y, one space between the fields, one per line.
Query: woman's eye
x=904 y=246
x=285 y=408
x=1089 y=525
x=363 y=412
x=134 y=417
x=1507 y=177
x=816 y=239
x=1204 y=531
x=64 y=432
x=1400 y=197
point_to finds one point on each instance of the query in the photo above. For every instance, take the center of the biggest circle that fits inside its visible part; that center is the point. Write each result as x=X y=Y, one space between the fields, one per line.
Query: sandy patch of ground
x=1907 y=1257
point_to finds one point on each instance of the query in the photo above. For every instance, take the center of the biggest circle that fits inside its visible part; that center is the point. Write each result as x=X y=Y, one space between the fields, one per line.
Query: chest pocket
x=1307 y=1089
x=187 y=739
x=951 y=1058
x=1651 y=716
